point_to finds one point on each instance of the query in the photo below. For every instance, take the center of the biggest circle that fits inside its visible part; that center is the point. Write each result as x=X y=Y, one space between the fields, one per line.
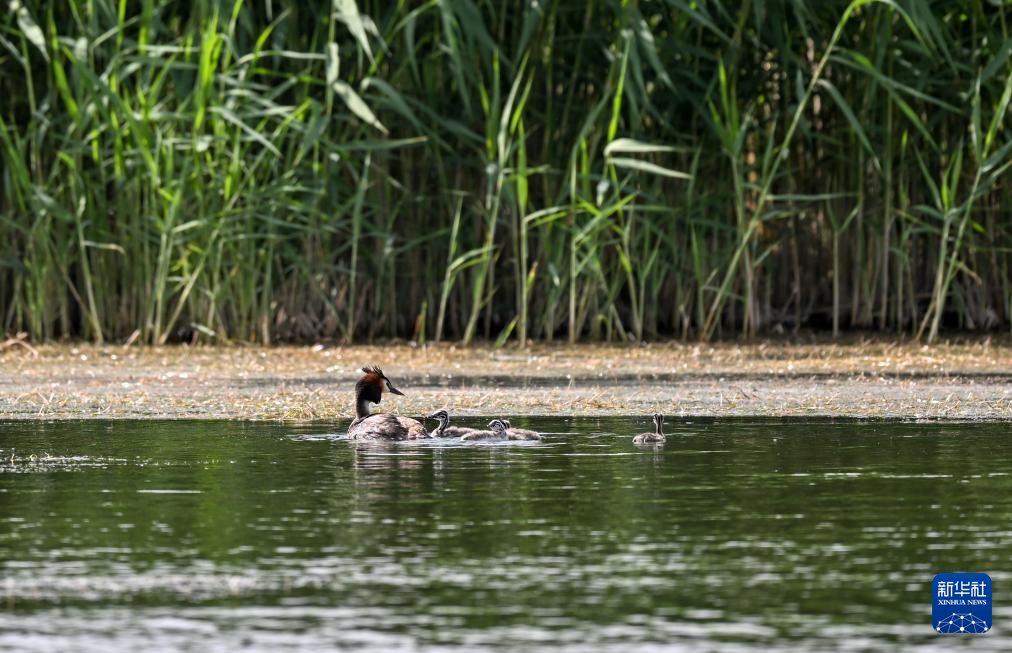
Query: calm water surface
x=735 y=536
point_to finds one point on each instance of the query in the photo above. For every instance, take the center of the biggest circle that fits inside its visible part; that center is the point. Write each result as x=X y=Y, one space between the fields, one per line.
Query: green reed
x=287 y=171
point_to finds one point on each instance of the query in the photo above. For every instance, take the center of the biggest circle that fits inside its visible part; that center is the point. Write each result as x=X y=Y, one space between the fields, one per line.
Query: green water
x=736 y=535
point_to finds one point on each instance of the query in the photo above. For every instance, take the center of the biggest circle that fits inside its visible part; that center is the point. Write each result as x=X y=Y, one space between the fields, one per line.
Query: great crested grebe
x=445 y=431
x=519 y=434
x=381 y=426
x=657 y=437
x=498 y=432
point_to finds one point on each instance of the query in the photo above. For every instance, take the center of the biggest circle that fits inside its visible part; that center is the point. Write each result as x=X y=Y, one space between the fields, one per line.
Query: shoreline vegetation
x=290 y=171
x=862 y=378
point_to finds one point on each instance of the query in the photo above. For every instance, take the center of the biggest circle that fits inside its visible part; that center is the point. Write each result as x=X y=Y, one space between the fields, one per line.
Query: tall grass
x=281 y=170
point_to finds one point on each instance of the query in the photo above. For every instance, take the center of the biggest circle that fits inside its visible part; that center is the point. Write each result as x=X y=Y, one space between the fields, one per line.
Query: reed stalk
x=294 y=171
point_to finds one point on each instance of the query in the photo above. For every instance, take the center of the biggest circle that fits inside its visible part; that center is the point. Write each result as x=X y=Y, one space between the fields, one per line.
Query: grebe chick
x=519 y=434
x=445 y=431
x=657 y=437
x=498 y=432
x=381 y=426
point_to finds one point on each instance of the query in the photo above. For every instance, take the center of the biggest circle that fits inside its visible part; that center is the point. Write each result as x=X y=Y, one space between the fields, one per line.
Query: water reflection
x=734 y=535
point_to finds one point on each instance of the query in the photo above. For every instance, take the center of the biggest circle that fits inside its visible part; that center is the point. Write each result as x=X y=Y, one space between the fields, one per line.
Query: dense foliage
x=282 y=170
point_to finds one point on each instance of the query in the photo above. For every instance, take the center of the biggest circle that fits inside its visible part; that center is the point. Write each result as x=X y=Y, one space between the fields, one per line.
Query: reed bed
x=289 y=171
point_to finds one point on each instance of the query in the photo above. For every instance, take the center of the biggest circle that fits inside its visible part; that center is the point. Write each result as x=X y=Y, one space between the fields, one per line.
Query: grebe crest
x=372 y=384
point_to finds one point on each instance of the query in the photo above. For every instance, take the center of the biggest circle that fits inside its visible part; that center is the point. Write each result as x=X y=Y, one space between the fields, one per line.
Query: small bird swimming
x=380 y=426
x=445 y=431
x=657 y=437
x=519 y=434
x=498 y=432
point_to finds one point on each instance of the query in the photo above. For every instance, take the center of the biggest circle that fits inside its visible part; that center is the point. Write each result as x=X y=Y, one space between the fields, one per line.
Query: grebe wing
x=456 y=431
x=415 y=429
x=523 y=434
x=380 y=426
x=483 y=435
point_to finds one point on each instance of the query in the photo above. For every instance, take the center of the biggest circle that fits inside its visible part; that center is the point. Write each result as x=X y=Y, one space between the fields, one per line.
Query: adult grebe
x=657 y=437
x=498 y=432
x=445 y=431
x=381 y=426
x=519 y=434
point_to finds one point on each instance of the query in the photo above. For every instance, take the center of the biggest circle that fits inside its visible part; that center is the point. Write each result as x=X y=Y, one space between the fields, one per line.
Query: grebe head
x=506 y=422
x=440 y=415
x=443 y=418
x=498 y=425
x=658 y=421
x=371 y=386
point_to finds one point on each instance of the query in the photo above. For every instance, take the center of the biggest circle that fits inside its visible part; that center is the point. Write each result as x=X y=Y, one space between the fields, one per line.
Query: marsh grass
x=276 y=171
x=966 y=379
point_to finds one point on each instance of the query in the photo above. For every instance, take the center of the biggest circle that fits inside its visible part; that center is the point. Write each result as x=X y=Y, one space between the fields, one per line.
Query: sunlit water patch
x=734 y=535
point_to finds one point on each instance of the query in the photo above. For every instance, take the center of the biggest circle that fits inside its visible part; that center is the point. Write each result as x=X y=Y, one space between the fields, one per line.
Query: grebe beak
x=394 y=390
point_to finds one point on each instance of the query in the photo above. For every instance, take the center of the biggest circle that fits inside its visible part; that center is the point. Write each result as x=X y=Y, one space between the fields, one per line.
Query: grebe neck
x=361 y=407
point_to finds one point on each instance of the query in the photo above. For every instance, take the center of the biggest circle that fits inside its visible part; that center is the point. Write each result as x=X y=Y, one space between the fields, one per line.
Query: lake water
x=737 y=535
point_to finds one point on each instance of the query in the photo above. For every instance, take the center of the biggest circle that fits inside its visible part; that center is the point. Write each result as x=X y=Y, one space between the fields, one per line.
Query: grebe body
x=497 y=432
x=446 y=431
x=657 y=437
x=380 y=426
x=519 y=434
